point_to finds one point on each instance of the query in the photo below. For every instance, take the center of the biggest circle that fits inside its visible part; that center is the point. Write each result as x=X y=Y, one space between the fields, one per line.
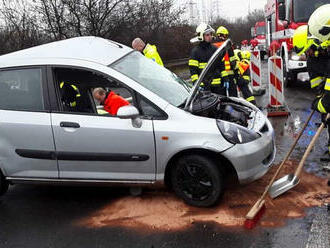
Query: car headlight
x=236 y=134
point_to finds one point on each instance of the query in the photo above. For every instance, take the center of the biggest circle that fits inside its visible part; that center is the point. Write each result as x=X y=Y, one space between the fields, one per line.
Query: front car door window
x=91 y=145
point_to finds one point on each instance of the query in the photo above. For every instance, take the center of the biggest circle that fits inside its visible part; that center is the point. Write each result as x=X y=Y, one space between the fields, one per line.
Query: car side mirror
x=130 y=112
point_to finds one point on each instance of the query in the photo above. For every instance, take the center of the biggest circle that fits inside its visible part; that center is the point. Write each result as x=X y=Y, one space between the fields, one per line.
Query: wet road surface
x=45 y=216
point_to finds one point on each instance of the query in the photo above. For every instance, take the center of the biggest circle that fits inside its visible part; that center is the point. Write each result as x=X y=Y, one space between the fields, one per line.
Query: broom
x=258 y=209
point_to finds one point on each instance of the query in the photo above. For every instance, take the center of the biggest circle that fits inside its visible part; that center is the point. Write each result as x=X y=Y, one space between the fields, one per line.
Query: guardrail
x=176 y=62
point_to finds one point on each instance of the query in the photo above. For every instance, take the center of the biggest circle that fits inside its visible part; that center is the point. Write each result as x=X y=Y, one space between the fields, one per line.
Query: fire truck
x=258 y=32
x=283 y=17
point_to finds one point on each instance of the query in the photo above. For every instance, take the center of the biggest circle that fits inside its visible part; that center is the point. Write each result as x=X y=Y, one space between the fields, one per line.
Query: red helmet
x=254 y=43
x=274 y=46
x=244 y=42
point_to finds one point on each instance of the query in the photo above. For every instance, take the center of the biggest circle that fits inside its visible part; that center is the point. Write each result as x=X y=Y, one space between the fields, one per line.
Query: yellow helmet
x=319 y=23
x=222 y=30
x=246 y=55
x=300 y=41
x=238 y=54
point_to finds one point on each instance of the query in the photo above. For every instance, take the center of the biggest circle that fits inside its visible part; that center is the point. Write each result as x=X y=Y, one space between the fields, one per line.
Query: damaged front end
x=222 y=108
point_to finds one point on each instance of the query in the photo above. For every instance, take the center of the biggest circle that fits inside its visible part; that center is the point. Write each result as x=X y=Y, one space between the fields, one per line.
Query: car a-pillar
x=4 y=184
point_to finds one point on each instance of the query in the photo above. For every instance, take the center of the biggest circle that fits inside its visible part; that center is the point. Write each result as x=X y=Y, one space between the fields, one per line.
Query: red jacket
x=113 y=102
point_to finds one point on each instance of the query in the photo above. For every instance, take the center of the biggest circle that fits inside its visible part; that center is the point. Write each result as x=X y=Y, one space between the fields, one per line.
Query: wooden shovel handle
x=287 y=155
x=309 y=148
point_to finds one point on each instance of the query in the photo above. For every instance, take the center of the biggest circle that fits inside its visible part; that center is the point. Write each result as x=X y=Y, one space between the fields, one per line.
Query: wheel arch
x=222 y=163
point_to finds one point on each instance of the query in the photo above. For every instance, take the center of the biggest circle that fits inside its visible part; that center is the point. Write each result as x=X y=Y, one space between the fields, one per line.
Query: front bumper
x=254 y=159
x=297 y=66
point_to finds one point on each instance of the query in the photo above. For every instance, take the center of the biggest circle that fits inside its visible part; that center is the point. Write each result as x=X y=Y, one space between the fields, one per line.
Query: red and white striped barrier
x=276 y=90
x=275 y=79
x=255 y=70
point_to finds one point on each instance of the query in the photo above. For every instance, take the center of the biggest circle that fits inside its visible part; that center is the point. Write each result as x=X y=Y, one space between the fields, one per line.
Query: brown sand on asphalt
x=162 y=210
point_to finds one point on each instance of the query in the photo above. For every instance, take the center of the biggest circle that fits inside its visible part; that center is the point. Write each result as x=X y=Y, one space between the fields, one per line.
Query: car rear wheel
x=3 y=184
x=197 y=180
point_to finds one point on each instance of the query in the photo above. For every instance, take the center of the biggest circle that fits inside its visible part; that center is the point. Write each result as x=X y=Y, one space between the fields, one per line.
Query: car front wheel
x=197 y=180
x=3 y=184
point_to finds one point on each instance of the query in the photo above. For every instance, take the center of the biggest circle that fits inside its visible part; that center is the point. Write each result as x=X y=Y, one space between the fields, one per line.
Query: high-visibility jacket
x=113 y=102
x=244 y=69
x=150 y=51
x=319 y=70
x=69 y=94
x=199 y=57
x=316 y=65
x=229 y=61
x=244 y=79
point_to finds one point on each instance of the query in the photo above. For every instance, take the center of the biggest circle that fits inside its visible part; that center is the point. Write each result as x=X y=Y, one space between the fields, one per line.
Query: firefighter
x=229 y=63
x=199 y=57
x=110 y=100
x=319 y=28
x=70 y=95
x=244 y=80
x=236 y=70
x=150 y=51
x=318 y=68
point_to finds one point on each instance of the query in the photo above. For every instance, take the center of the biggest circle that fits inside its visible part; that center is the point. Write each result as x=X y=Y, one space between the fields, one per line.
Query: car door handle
x=69 y=124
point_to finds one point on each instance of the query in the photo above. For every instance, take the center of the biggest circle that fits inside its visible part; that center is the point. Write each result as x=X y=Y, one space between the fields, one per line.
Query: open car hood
x=220 y=53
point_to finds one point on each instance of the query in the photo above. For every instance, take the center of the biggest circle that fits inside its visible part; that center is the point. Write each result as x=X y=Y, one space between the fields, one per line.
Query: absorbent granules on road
x=162 y=210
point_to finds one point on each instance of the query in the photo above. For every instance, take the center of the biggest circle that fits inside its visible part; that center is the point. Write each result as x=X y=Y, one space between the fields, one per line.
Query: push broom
x=258 y=209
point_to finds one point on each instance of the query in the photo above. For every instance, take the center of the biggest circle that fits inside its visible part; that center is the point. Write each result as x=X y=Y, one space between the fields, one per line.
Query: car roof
x=94 y=49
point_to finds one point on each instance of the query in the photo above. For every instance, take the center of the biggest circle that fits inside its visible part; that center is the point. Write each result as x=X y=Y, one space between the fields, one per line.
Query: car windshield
x=261 y=30
x=155 y=78
x=303 y=9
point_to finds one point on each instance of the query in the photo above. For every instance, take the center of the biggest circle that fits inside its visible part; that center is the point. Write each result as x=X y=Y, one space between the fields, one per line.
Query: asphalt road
x=45 y=216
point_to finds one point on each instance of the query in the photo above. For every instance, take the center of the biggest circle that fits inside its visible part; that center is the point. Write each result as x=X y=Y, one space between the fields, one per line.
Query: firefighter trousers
x=227 y=87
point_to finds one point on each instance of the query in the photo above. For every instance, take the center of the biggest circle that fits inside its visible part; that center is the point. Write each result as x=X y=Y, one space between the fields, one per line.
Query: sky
x=231 y=9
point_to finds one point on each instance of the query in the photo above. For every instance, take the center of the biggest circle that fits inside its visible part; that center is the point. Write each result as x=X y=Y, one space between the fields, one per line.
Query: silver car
x=187 y=138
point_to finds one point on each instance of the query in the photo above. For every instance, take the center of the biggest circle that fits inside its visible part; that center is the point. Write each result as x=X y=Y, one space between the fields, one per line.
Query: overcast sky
x=228 y=8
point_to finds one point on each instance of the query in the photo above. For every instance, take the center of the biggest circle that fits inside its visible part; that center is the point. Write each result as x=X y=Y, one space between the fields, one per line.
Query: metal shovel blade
x=282 y=185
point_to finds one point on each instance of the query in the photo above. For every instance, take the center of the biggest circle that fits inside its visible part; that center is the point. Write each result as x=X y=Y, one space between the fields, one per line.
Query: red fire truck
x=258 y=32
x=282 y=18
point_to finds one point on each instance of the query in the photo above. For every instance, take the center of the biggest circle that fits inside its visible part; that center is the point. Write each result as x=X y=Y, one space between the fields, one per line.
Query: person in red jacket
x=110 y=100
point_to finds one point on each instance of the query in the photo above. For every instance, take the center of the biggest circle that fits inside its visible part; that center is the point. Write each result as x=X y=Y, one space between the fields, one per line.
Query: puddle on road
x=161 y=210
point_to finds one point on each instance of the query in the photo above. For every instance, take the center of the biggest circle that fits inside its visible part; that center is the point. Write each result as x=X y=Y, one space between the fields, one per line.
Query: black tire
x=3 y=184
x=197 y=180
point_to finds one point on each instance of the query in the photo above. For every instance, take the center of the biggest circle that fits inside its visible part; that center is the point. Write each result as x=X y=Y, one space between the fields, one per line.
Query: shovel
x=289 y=181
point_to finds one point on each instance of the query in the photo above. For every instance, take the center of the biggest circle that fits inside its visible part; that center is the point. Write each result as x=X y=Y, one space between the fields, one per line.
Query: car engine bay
x=224 y=108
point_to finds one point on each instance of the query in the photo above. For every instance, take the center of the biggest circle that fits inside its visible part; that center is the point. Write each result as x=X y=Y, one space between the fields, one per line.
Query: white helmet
x=202 y=29
x=319 y=23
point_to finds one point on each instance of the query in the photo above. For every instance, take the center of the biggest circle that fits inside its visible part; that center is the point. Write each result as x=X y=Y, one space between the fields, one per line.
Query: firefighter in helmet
x=199 y=57
x=319 y=31
x=228 y=62
x=236 y=71
x=243 y=65
x=70 y=96
x=318 y=69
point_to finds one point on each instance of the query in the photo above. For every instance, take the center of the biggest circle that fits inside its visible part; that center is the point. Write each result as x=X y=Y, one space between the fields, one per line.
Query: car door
x=100 y=147
x=26 y=140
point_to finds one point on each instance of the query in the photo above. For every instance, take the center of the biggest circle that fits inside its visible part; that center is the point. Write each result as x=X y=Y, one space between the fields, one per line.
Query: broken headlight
x=236 y=134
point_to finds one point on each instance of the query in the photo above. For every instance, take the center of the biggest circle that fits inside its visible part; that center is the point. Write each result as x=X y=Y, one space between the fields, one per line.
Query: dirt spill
x=162 y=210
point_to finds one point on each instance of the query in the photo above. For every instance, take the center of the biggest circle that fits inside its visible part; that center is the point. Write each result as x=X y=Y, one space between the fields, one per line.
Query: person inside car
x=110 y=100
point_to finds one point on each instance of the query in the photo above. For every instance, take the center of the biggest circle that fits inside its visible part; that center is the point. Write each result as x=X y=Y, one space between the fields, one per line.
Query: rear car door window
x=21 y=90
